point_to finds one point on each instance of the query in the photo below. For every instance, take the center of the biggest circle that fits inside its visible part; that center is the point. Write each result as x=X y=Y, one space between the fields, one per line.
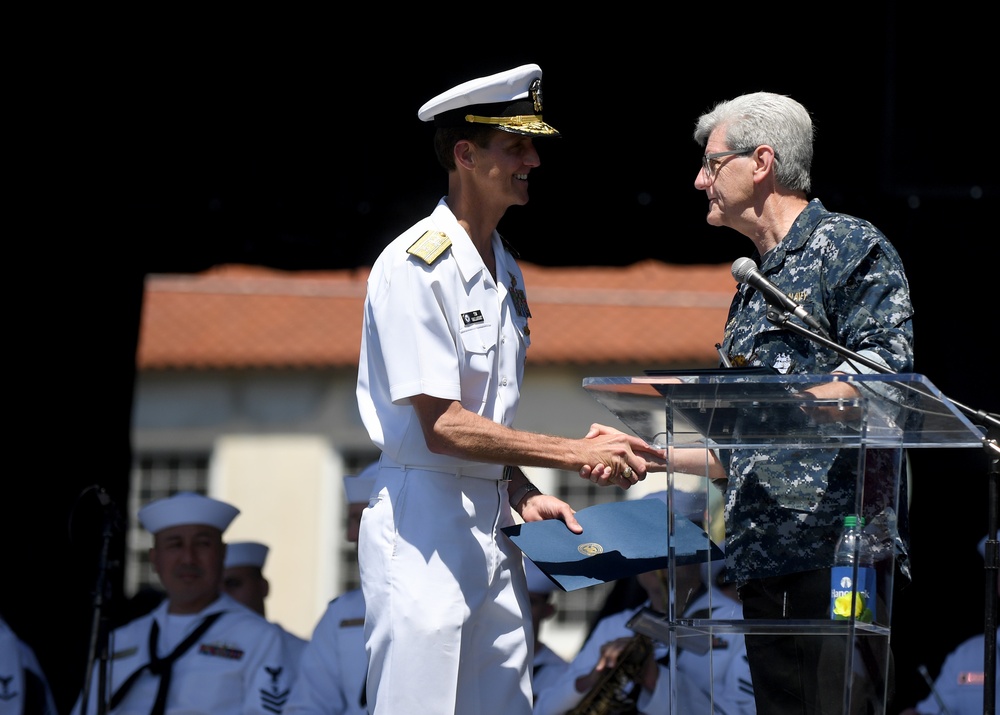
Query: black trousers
x=807 y=674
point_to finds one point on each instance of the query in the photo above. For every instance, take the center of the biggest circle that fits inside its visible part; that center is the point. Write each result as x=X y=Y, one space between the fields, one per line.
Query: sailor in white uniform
x=243 y=579
x=333 y=667
x=199 y=651
x=24 y=687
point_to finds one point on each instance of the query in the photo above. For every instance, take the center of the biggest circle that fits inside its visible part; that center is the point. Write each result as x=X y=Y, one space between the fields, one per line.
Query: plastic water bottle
x=850 y=597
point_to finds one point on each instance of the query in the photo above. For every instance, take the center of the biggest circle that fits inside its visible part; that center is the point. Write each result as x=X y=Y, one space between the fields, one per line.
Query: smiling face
x=502 y=168
x=188 y=560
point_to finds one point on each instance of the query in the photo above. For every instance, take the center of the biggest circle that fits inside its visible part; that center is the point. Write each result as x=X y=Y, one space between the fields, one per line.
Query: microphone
x=745 y=271
x=930 y=684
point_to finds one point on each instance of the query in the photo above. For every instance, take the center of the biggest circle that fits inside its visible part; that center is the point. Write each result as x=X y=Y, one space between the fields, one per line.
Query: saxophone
x=610 y=694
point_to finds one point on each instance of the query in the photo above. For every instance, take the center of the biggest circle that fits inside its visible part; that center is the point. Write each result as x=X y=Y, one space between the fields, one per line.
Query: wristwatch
x=522 y=492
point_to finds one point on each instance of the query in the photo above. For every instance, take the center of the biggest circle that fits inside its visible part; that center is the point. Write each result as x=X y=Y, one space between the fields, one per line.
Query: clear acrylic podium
x=747 y=409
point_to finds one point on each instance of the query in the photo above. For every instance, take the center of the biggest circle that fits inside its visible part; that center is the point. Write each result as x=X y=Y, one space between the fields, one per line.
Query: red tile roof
x=240 y=317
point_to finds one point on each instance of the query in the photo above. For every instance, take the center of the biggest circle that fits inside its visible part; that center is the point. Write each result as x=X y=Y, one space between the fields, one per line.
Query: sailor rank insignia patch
x=429 y=246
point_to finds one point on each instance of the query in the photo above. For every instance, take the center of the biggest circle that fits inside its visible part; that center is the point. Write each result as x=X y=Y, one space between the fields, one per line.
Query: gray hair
x=766 y=118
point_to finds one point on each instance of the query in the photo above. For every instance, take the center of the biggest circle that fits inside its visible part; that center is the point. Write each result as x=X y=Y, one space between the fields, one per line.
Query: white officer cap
x=510 y=101
x=186 y=508
x=358 y=487
x=245 y=553
x=538 y=582
x=690 y=505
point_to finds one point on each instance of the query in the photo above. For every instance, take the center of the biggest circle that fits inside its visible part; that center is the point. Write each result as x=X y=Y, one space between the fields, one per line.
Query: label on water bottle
x=845 y=600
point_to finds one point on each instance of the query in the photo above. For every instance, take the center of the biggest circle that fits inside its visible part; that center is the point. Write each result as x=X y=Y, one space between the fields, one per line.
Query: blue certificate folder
x=619 y=539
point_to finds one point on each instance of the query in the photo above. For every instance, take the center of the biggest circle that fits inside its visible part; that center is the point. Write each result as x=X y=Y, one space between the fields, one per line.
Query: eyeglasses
x=710 y=162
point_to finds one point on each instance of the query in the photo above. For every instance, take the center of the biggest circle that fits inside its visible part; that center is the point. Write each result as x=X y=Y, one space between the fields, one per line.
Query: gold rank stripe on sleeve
x=429 y=246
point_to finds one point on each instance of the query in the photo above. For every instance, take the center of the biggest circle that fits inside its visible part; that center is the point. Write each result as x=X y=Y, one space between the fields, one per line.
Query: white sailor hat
x=510 y=101
x=245 y=553
x=358 y=487
x=690 y=505
x=538 y=582
x=186 y=508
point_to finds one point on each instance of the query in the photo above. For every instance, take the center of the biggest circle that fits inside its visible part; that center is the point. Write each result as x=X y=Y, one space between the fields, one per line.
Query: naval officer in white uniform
x=243 y=579
x=444 y=339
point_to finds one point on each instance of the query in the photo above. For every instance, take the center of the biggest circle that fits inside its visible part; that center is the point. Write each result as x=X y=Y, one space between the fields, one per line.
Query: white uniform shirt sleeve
x=333 y=666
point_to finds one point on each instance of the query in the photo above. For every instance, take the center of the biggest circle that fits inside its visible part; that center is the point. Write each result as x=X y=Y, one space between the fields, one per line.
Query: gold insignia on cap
x=536 y=94
x=590 y=549
x=429 y=246
x=531 y=123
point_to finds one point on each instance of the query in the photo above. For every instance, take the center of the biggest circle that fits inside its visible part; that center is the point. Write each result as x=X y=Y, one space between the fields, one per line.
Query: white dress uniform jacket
x=444 y=330
x=294 y=648
x=446 y=594
x=237 y=667
x=332 y=670
x=24 y=687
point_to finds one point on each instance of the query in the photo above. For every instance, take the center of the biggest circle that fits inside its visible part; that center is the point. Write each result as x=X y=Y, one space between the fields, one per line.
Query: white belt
x=477 y=471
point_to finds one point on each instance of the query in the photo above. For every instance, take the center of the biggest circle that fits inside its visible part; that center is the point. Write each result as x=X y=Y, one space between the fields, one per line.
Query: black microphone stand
x=97 y=655
x=990 y=423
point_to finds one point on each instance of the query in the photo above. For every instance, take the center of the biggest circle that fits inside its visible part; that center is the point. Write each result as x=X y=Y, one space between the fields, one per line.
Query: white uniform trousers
x=447 y=627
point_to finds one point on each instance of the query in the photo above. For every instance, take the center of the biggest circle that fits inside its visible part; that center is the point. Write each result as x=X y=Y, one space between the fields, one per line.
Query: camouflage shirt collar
x=797 y=236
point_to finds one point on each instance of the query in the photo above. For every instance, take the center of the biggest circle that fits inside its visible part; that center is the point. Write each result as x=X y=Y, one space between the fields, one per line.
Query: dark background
x=168 y=144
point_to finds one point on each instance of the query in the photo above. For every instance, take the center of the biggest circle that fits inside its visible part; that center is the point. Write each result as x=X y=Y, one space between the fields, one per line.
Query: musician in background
x=720 y=677
x=960 y=686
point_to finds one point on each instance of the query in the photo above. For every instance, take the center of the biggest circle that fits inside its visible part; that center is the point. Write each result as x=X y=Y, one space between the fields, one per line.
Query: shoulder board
x=429 y=246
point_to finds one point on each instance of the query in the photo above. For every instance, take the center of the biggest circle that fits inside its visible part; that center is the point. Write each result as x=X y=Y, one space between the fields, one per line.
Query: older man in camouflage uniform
x=784 y=507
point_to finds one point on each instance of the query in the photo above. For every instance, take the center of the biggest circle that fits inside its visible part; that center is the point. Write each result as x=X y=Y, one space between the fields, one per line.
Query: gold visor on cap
x=523 y=123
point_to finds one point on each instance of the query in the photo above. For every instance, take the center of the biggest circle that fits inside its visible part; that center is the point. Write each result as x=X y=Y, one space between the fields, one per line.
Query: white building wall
x=289 y=493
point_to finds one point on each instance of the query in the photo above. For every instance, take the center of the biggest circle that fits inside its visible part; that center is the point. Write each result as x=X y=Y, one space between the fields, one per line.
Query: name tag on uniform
x=220 y=650
x=472 y=317
x=972 y=678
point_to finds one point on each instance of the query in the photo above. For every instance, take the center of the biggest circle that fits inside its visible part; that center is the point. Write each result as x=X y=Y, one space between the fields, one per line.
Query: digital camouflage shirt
x=784 y=507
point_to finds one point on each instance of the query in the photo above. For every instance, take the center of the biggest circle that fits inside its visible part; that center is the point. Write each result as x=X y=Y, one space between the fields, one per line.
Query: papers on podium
x=619 y=539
